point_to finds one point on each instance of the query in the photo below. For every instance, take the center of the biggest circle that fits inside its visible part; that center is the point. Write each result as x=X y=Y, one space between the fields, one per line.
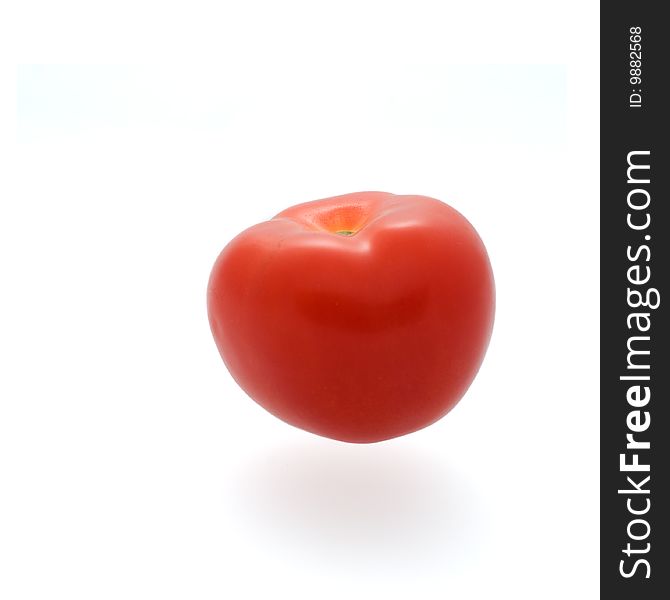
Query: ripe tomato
x=360 y=317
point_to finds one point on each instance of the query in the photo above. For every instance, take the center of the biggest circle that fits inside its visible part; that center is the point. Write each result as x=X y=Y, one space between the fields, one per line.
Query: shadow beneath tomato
x=381 y=506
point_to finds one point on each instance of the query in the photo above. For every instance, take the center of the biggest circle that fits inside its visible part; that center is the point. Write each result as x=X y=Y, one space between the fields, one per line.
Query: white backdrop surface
x=131 y=464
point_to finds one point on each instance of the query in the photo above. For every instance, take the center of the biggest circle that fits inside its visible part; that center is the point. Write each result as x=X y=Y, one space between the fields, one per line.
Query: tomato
x=360 y=317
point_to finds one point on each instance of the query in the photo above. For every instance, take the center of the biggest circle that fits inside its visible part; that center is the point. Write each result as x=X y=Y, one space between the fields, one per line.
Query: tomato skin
x=361 y=317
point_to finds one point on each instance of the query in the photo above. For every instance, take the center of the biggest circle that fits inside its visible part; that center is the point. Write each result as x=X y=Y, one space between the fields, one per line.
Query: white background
x=131 y=465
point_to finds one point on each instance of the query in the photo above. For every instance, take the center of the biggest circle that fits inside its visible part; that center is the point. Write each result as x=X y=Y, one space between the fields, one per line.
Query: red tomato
x=360 y=317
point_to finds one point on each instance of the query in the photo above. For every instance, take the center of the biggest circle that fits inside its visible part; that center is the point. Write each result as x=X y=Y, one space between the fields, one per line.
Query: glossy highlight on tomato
x=360 y=317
